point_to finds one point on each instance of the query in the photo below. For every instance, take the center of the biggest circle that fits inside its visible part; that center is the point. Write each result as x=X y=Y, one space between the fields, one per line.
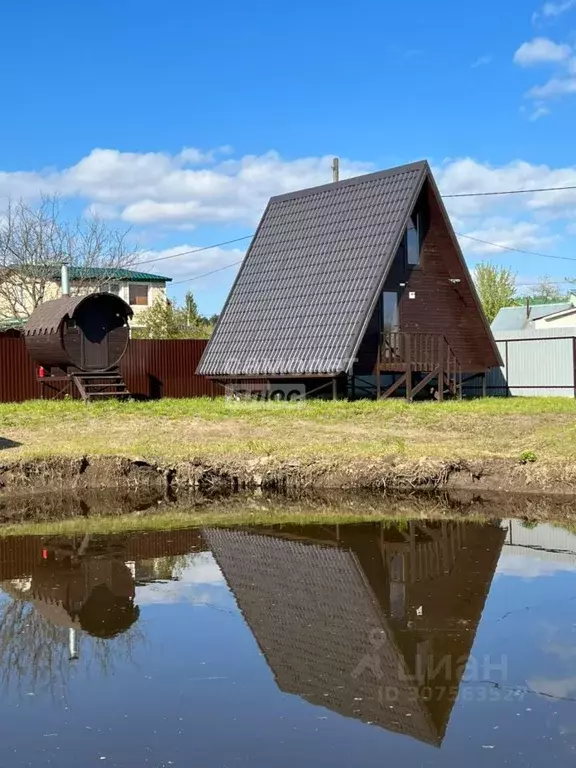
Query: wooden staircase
x=421 y=360
x=100 y=386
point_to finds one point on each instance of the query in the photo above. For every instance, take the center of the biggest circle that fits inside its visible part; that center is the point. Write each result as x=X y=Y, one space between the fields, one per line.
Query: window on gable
x=413 y=240
x=138 y=295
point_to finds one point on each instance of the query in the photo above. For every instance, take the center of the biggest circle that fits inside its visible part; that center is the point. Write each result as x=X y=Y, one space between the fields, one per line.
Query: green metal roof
x=11 y=322
x=103 y=273
x=93 y=273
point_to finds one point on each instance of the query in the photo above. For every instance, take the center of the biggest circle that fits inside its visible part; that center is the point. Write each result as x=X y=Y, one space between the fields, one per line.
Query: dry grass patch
x=180 y=429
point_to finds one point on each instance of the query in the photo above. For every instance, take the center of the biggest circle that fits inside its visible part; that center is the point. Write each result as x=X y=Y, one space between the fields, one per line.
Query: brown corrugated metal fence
x=17 y=373
x=151 y=369
x=166 y=368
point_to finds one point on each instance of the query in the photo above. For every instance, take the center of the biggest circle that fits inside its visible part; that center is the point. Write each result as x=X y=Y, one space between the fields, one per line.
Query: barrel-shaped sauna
x=82 y=333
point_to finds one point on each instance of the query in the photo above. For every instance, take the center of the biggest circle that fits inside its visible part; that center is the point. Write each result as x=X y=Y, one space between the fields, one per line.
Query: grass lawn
x=170 y=430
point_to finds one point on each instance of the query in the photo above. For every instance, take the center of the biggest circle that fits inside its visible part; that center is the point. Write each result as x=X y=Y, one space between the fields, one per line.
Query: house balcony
x=423 y=352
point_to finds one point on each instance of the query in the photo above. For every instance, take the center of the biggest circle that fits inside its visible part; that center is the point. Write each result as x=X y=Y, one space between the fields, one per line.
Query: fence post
x=440 y=368
x=408 y=358
x=574 y=362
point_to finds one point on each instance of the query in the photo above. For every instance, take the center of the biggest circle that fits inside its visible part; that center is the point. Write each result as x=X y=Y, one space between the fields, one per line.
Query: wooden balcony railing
x=426 y=352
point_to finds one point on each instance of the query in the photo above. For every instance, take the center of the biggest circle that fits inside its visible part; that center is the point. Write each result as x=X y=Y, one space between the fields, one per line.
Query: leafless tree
x=36 y=239
x=34 y=654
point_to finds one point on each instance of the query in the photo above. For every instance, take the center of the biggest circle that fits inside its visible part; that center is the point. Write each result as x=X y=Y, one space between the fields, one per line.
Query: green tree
x=166 y=320
x=190 y=309
x=496 y=288
x=160 y=321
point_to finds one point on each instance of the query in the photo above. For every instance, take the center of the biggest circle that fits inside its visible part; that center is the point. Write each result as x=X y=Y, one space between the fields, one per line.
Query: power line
x=548 y=282
x=207 y=274
x=510 y=192
x=469 y=237
x=516 y=250
x=195 y=250
x=459 y=234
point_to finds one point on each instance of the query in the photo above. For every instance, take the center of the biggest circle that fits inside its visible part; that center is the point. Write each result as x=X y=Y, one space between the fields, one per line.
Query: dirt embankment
x=390 y=473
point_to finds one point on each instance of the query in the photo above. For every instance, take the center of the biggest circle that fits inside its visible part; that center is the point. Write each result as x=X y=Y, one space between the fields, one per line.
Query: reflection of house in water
x=89 y=583
x=374 y=623
x=92 y=594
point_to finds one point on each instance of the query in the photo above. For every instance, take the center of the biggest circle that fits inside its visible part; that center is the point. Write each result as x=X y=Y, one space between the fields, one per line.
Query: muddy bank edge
x=388 y=473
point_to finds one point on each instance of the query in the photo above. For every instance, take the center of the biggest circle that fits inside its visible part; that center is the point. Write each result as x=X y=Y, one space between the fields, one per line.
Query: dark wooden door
x=95 y=354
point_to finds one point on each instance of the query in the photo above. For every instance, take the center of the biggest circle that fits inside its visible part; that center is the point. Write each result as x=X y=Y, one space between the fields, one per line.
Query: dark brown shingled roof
x=342 y=624
x=48 y=316
x=311 y=277
x=321 y=629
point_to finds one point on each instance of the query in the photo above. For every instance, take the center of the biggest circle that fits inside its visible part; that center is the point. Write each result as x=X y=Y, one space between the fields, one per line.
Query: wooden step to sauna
x=93 y=386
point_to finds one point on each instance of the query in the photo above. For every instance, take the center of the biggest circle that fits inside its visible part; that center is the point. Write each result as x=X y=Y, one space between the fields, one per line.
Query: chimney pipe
x=65 y=281
x=336 y=170
x=73 y=654
x=527 y=307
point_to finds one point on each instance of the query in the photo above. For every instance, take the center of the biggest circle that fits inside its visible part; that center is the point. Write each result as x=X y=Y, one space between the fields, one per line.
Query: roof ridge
x=51 y=271
x=362 y=179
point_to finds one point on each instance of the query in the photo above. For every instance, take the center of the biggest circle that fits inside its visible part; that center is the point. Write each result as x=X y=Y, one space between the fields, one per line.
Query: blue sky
x=101 y=98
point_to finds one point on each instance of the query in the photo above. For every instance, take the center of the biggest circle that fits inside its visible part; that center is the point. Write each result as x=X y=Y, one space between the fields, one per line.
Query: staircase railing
x=427 y=353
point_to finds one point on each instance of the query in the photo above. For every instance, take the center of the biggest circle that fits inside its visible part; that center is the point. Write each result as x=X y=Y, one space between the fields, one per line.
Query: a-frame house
x=359 y=278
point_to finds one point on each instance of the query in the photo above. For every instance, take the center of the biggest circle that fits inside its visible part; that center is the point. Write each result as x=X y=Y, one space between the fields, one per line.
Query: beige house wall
x=52 y=291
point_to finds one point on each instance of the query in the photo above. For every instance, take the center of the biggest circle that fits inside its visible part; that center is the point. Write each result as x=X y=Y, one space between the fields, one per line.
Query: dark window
x=390 y=311
x=413 y=240
x=138 y=295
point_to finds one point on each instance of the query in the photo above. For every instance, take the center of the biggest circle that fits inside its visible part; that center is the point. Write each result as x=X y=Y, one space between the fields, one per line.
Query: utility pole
x=336 y=170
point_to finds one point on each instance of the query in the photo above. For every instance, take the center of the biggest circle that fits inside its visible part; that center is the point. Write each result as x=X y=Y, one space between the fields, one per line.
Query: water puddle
x=419 y=642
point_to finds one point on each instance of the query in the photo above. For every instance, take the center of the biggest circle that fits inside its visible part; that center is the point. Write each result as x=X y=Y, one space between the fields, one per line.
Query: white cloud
x=482 y=61
x=200 y=582
x=191 y=264
x=556 y=86
x=469 y=175
x=155 y=187
x=506 y=232
x=193 y=188
x=540 y=110
x=551 y=10
x=533 y=222
x=531 y=566
x=541 y=50
x=558 y=8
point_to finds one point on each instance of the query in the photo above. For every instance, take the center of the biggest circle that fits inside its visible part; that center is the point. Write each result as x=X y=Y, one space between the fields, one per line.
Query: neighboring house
x=355 y=282
x=536 y=317
x=537 y=343
x=139 y=289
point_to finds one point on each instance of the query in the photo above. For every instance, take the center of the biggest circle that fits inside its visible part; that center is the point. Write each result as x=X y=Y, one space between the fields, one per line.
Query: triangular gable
x=312 y=276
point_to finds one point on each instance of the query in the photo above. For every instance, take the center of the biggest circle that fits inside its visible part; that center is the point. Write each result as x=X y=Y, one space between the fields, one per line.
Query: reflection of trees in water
x=34 y=652
x=169 y=567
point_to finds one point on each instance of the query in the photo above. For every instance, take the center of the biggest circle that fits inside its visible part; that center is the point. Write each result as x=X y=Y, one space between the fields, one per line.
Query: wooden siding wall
x=441 y=306
x=151 y=369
